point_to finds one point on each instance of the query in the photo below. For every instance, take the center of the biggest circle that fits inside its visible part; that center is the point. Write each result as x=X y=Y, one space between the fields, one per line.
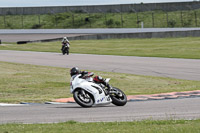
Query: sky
x=34 y=3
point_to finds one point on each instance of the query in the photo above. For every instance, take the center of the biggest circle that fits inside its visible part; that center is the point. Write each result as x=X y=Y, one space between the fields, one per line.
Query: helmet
x=98 y=79
x=65 y=39
x=74 y=71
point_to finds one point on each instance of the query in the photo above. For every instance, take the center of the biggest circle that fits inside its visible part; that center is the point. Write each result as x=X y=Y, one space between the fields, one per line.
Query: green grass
x=147 y=126
x=188 y=47
x=101 y=20
x=31 y=83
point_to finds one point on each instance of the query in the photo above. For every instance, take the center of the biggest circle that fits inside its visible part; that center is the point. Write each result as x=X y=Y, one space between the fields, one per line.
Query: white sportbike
x=87 y=93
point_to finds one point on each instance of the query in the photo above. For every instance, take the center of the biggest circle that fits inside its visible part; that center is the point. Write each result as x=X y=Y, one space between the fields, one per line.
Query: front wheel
x=118 y=97
x=83 y=98
x=67 y=51
x=63 y=51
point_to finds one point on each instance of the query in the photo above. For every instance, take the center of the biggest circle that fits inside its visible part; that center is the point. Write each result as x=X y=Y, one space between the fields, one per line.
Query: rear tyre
x=119 y=99
x=84 y=100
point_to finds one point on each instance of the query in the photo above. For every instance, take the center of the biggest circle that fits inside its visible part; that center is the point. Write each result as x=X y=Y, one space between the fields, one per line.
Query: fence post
x=105 y=19
x=39 y=19
x=22 y=18
x=55 y=21
x=195 y=15
x=137 y=20
x=181 y=18
x=82 y=18
x=72 y=19
x=4 y=21
x=142 y=25
x=90 y=21
x=152 y=19
x=121 y=15
x=121 y=19
x=167 y=19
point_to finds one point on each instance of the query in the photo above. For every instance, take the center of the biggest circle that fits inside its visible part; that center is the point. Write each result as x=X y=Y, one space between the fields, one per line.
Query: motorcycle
x=87 y=93
x=65 y=49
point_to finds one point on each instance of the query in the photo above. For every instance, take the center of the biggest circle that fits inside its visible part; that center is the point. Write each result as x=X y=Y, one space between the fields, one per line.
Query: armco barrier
x=175 y=6
x=166 y=34
x=195 y=33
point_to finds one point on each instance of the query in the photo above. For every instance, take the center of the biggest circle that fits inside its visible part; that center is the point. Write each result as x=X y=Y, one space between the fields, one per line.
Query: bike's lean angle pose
x=88 y=91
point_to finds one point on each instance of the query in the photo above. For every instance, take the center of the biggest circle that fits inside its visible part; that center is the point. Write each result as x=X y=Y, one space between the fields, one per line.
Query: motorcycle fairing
x=91 y=87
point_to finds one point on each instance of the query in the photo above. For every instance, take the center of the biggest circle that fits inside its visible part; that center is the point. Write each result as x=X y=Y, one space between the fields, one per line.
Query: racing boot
x=109 y=87
x=99 y=79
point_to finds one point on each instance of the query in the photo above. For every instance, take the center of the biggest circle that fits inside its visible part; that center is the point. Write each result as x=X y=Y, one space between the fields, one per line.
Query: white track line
x=7 y=104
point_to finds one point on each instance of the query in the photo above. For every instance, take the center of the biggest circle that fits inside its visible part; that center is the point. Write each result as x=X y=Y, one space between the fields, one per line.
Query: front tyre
x=67 y=51
x=83 y=98
x=63 y=52
x=118 y=98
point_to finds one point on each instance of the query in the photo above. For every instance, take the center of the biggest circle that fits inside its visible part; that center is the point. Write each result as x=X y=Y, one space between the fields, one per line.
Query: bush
x=110 y=22
x=117 y=23
x=187 y=23
x=9 y=25
x=171 y=23
x=36 y=26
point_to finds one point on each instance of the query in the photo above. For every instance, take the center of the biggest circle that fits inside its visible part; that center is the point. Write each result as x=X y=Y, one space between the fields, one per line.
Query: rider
x=85 y=74
x=64 y=42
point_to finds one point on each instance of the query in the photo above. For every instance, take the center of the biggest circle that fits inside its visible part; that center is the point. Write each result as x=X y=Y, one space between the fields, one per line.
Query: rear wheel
x=118 y=98
x=83 y=98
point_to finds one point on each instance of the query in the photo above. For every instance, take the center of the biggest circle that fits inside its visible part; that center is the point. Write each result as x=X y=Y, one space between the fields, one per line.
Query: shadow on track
x=77 y=106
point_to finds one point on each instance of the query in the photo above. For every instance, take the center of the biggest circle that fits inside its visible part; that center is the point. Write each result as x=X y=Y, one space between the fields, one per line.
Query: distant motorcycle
x=65 y=49
x=87 y=93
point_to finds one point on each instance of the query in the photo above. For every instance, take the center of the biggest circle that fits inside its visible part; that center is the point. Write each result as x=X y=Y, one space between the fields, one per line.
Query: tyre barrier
x=22 y=42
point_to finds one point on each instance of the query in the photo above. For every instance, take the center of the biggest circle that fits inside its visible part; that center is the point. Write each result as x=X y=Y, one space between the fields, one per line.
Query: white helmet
x=65 y=39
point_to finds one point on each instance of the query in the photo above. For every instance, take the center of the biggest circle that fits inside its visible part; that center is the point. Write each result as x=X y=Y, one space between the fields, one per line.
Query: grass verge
x=146 y=126
x=188 y=47
x=31 y=83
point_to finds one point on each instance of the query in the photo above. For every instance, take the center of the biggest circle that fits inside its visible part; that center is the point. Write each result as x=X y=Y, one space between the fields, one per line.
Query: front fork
x=115 y=92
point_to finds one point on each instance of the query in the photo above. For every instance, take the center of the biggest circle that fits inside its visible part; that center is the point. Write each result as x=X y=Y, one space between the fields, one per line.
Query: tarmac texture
x=175 y=105
x=14 y=35
x=184 y=108
x=152 y=66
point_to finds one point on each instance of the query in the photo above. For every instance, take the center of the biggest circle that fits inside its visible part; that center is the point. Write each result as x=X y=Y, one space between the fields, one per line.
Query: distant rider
x=65 y=41
x=85 y=75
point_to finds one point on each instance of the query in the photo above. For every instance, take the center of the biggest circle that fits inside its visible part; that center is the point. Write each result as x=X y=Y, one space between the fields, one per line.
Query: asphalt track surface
x=162 y=67
x=14 y=35
x=187 y=108
x=33 y=37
